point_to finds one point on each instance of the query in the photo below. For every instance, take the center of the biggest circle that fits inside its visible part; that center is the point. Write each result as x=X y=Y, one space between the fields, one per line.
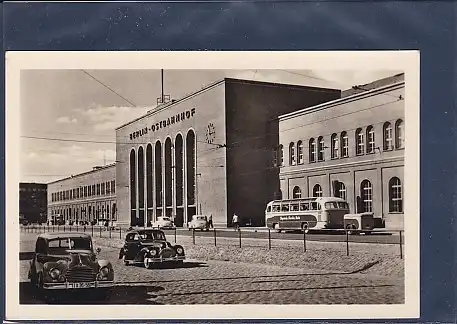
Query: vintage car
x=163 y=222
x=359 y=223
x=67 y=261
x=149 y=247
x=198 y=222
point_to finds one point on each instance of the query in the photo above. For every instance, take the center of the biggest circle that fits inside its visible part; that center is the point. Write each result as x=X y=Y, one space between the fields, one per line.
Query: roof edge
x=343 y=100
x=84 y=173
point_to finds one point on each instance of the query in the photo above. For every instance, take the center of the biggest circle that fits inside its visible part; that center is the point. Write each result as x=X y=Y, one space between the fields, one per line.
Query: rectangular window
x=98 y=189
x=360 y=144
x=103 y=188
x=113 y=186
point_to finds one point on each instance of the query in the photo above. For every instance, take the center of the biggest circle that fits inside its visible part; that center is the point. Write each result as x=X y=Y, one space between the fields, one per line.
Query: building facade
x=85 y=197
x=351 y=148
x=32 y=202
x=209 y=152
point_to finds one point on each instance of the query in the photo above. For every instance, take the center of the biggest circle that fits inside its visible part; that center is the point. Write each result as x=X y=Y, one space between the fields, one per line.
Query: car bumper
x=159 y=260
x=78 y=285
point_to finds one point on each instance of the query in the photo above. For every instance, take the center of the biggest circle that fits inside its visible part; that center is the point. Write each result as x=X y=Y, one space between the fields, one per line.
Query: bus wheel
x=276 y=227
x=304 y=227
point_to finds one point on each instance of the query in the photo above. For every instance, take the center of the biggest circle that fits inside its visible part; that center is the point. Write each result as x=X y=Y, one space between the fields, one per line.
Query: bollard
x=401 y=247
x=110 y=232
x=215 y=237
x=239 y=235
x=92 y=230
x=84 y=228
x=304 y=241
x=269 y=239
x=64 y=228
x=193 y=235
x=120 y=233
x=100 y=231
x=70 y=228
x=175 y=234
x=77 y=227
x=347 y=243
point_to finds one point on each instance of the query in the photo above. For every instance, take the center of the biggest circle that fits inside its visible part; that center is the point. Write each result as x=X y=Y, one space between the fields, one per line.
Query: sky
x=68 y=117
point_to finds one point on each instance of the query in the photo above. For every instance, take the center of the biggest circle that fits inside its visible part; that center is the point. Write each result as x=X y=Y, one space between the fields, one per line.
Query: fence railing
x=219 y=234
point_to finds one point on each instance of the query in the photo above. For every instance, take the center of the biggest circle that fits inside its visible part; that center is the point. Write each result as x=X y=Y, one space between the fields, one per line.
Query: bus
x=306 y=213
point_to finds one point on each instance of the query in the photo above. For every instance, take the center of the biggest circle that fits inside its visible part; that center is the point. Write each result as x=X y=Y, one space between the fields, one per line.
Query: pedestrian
x=210 y=221
x=235 y=221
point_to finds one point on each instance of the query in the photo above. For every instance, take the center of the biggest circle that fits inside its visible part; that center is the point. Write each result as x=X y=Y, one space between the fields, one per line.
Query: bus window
x=331 y=205
x=304 y=206
x=285 y=208
x=315 y=206
x=276 y=208
x=294 y=207
x=343 y=205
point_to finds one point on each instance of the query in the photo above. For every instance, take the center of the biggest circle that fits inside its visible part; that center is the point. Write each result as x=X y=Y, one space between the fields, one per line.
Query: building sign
x=164 y=123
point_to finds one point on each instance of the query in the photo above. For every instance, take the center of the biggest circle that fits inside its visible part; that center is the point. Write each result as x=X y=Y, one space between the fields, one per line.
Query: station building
x=209 y=152
x=352 y=148
x=86 y=196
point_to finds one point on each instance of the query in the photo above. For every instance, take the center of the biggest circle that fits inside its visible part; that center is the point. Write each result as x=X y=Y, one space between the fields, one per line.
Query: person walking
x=235 y=222
x=210 y=221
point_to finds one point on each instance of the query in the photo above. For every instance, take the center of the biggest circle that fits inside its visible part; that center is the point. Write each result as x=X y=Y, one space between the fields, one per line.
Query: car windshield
x=61 y=245
x=201 y=218
x=165 y=218
x=152 y=236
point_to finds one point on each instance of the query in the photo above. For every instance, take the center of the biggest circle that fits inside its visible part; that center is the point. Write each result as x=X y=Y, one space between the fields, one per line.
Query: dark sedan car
x=67 y=261
x=149 y=246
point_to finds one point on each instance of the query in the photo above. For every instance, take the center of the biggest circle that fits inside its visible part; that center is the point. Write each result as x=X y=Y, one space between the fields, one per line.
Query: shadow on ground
x=171 y=265
x=138 y=294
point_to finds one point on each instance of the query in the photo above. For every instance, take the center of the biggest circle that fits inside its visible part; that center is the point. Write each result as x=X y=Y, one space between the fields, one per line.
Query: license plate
x=76 y=285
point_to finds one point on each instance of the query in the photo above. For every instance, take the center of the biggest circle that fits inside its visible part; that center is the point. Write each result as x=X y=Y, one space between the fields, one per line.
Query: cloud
x=108 y=118
x=66 y=120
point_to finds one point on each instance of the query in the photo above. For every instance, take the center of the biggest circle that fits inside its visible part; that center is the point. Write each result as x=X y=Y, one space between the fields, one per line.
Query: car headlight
x=153 y=252
x=179 y=250
x=54 y=273
x=103 y=273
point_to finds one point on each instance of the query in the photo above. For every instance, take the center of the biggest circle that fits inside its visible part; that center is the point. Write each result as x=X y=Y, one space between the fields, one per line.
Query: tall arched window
x=335 y=146
x=399 y=134
x=317 y=191
x=359 y=142
x=387 y=136
x=132 y=190
x=395 y=196
x=140 y=186
x=300 y=152
x=366 y=193
x=149 y=185
x=312 y=150
x=339 y=189
x=158 y=177
x=179 y=182
x=168 y=179
x=190 y=171
x=344 y=144
x=296 y=192
x=371 y=145
x=292 y=153
x=321 y=149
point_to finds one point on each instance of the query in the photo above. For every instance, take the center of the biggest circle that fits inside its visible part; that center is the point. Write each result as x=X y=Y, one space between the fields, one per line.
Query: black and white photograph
x=248 y=183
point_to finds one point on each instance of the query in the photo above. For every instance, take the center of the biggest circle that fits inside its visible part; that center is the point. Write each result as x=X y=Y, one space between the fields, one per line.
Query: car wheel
x=126 y=263
x=276 y=227
x=147 y=263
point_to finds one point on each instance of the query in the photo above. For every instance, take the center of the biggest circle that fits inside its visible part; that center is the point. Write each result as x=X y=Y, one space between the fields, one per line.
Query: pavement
x=222 y=282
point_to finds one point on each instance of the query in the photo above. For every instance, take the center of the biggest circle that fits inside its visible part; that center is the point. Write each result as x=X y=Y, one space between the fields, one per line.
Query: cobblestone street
x=222 y=282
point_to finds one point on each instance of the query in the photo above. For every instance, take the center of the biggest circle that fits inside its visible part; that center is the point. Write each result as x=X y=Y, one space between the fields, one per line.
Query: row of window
x=163 y=188
x=365 y=200
x=364 y=144
x=102 y=211
x=99 y=189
